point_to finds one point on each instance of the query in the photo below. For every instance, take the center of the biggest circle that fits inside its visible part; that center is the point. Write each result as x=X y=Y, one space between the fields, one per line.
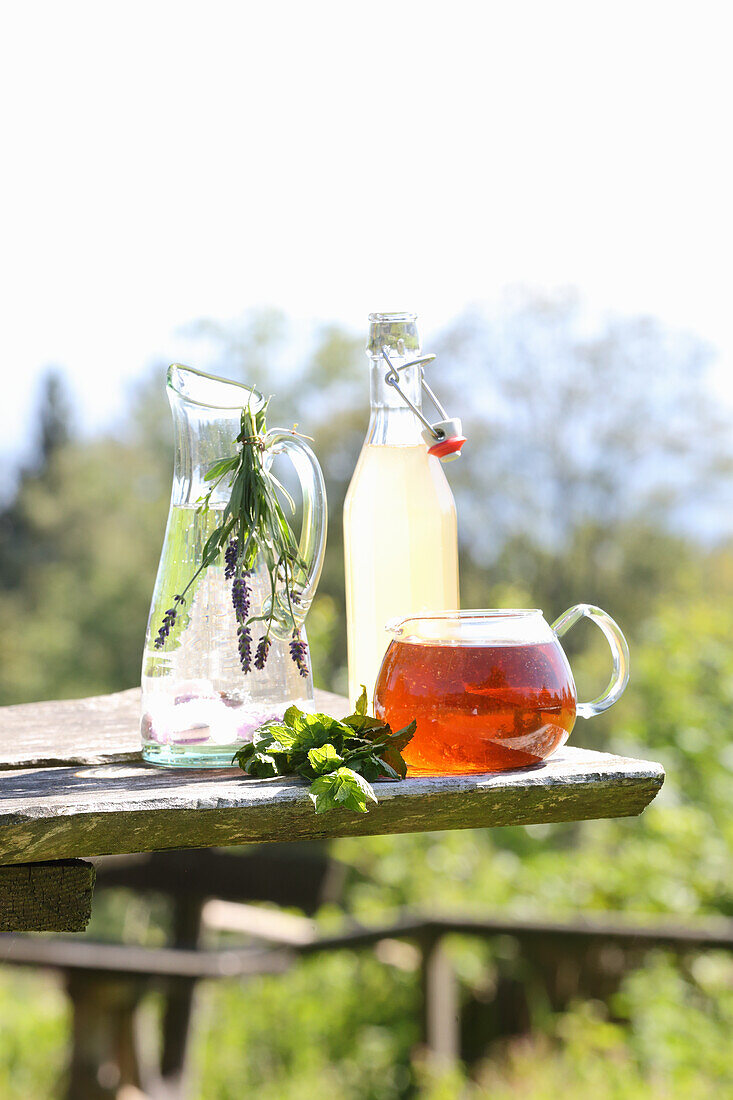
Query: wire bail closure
x=445 y=437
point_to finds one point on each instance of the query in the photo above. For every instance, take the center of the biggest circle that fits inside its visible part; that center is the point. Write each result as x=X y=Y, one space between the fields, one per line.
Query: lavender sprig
x=230 y=559
x=299 y=653
x=241 y=597
x=252 y=530
x=263 y=648
x=169 y=621
x=244 y=645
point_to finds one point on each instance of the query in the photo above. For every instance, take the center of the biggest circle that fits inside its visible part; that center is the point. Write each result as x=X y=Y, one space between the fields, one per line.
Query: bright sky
x=164 y=161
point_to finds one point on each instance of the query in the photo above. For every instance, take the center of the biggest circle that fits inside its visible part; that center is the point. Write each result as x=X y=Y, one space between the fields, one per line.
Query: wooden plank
x=57 y=953
x=303 y=875
x=46 y=897
x=269 y=925
x=56 y=813
x=101 y=730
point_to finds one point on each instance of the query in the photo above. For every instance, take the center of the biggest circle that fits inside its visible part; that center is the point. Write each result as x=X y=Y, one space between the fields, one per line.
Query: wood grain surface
x=102 y=730
x=56 y=813
x=46 y=897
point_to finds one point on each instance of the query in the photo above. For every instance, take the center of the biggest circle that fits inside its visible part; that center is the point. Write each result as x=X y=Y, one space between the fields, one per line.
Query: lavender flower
x=299 y=653
x=241 y=597
x=263 y=648
x=230 y=559
x=244 y=645
x=169 y=620
x=240 y=600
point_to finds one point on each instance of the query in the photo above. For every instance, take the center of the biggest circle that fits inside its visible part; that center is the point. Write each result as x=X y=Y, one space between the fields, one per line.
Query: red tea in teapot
x=479 y=708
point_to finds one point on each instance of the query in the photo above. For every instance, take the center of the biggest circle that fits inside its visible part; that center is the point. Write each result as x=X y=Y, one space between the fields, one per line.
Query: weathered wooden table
x=73 y=785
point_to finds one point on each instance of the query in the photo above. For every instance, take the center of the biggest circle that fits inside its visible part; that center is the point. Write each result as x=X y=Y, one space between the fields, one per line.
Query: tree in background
x=78 y=547
x=595 y=453
x=593 y=459
x=20 y=548
x=592 y=456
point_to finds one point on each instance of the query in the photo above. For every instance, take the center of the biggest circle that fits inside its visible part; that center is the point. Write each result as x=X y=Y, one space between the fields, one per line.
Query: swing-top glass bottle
x=400 y=532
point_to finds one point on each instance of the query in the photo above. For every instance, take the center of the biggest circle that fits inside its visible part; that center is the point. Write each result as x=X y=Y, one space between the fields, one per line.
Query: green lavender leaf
x=221 y=467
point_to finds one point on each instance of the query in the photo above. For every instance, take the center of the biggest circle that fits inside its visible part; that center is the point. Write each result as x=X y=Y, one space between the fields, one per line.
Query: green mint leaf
x=367 y=726
x=343 y=788
x=279 y=732
x=293 y=717
x=377 y=764
x=370 y=767
x=340 y=759
x=265 y=747
x=263 y=765
x=401 y=739
x=265 y=740
x=395 y=770
x=361 y=704
x=315 y=730
x=242 y=755
x=394 y=767
x=324 y=759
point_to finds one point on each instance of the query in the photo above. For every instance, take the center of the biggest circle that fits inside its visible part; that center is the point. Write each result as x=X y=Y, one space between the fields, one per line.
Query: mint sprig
x=340 y=758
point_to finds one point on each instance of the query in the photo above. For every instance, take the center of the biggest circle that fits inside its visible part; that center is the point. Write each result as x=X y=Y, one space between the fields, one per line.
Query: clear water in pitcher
x=198 y=706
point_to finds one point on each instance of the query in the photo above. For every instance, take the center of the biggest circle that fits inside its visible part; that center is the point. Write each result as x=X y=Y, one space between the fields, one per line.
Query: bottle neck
x=392 y=422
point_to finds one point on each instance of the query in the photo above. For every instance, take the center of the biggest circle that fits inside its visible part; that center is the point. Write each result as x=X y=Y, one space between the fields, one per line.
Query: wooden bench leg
x=46 y=897
x=104 y=1050
x=179 y=1001
x=440 y=1024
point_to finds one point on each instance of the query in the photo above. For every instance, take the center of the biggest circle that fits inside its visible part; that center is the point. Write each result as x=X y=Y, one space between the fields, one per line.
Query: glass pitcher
x=198 y=706
x=490 y=690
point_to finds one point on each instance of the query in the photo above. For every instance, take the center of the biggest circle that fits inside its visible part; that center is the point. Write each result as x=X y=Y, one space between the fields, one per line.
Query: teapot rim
x=465 y=615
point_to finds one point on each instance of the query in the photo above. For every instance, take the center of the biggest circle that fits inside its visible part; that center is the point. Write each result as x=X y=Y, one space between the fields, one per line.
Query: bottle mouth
x=195 y=387
x=389 y=318
x=396 y=332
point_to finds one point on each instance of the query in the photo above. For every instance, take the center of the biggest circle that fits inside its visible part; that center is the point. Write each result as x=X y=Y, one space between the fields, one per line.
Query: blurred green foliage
x=596 y=471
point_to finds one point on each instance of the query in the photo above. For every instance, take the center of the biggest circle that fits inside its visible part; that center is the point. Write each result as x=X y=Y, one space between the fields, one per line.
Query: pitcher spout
x=195 y=387
x=206 y=422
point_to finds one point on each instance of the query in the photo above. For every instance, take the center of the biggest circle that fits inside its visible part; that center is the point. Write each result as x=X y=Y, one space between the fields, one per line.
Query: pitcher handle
x=619 y=651
x=312 y=544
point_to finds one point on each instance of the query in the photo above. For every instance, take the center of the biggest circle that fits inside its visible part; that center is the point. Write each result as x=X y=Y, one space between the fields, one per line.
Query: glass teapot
x=490 y=690
x=198 y=706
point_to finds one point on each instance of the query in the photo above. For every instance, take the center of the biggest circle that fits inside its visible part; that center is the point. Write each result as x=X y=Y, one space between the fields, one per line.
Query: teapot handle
x=619 y=650
x=312 y=544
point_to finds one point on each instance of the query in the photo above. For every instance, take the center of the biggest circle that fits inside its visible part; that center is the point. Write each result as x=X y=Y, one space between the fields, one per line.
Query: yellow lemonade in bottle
x=400 y=531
